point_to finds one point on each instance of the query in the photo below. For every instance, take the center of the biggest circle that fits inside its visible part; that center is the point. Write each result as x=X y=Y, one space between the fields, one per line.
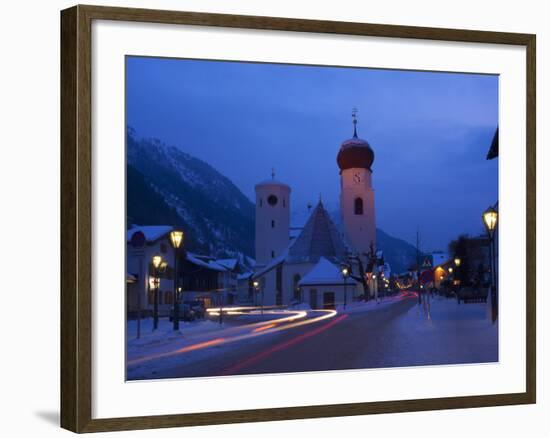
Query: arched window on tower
x=358 y=206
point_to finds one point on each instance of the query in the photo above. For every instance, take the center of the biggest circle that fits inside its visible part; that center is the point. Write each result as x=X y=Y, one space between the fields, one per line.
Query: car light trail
x=186 y=349
x=262 y=328
x=257 y=329
x=266 y=353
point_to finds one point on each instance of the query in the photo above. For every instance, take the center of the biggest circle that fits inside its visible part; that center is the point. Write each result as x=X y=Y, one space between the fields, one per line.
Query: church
x=309 y=268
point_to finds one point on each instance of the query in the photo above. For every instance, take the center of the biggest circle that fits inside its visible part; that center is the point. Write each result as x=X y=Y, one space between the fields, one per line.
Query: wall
x=29 y=90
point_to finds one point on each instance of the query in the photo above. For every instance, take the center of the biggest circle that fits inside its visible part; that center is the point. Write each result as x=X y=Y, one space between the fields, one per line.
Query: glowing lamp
x=457 y=261
x=157 y=260
x=490 y=219
x=176 y=237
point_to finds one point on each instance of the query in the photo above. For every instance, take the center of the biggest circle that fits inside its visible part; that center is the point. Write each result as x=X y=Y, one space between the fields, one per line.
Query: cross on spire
x=354 y=112
x=272 y=173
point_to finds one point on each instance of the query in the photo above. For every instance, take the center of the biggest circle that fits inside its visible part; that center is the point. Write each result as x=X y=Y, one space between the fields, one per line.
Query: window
x=272 y=224
x=272 y=200
x=284 y=202
x=358 y=206
x=261 y=202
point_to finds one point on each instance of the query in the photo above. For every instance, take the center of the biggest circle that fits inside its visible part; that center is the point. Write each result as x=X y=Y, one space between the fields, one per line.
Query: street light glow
x=176 y=237
x=457 y=261
x=157 y=260
x=490 y=218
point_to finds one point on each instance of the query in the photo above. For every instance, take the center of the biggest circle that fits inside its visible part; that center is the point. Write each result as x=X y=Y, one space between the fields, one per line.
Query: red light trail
x=296 y=340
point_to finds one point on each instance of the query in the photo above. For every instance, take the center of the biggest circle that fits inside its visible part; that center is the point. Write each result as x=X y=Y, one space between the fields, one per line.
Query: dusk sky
x=430 y=133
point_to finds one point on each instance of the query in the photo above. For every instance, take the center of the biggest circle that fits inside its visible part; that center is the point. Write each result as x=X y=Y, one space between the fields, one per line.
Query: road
x=396 y=334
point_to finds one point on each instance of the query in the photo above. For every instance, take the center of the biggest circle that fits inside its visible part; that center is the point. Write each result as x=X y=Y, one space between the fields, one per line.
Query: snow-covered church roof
x=325 y=273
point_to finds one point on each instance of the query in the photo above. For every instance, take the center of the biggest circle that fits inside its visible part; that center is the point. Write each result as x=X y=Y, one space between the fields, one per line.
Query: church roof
x=325 y=272
x=272 y=182
x=319 y=238
x=355 y=152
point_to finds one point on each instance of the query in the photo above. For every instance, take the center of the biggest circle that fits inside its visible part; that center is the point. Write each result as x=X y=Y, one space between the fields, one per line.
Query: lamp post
x=176 y=238
x=255 y=285
x=157 y=261
x=345 y=274
x=490 y=220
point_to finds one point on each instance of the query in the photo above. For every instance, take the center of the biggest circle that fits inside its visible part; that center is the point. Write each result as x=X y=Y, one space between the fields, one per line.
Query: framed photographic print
x=268 y=218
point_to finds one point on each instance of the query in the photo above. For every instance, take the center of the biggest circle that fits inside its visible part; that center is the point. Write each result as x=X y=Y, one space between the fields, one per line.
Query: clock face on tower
x=357 y=178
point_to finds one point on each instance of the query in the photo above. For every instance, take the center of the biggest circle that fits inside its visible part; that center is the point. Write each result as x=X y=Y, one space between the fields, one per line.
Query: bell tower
x=355 y=159
x=272 y=219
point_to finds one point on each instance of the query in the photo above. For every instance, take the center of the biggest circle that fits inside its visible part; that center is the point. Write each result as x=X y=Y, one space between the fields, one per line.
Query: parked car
x=186 y=313
x=197 y=306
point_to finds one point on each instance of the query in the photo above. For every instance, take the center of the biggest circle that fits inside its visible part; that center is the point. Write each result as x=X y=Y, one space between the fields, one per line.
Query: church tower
x=272 y=220
x=355 y=159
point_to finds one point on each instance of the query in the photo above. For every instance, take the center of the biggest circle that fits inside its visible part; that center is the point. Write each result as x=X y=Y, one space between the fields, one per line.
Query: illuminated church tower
x=355 y=159
x=272 y=219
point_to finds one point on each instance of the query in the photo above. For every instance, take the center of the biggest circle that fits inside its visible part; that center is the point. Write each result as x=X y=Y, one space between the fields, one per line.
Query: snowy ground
x=439 y=331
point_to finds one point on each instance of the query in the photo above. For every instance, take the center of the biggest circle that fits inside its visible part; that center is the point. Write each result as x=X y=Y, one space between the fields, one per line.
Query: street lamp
x=255 y=286
x=490 y=220
x=457 y=261
x=157 y=262
x=345 y=274
x=450 y=270
x=176 y=238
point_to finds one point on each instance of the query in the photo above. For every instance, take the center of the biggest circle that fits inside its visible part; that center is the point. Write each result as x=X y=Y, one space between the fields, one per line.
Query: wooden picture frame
x=76 y=217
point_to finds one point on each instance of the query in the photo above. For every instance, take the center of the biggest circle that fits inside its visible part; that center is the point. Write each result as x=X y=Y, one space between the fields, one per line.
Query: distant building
x=202 y=277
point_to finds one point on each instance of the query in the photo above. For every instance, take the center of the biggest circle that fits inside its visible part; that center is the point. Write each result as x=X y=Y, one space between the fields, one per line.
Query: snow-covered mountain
x=167 y=186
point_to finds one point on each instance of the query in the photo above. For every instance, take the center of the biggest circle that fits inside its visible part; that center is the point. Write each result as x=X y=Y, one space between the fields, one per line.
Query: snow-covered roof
x=208 y=264
x=151 y=232
x=272 y=264
x=325 y=272
x=228 y=263
x=245 y=275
